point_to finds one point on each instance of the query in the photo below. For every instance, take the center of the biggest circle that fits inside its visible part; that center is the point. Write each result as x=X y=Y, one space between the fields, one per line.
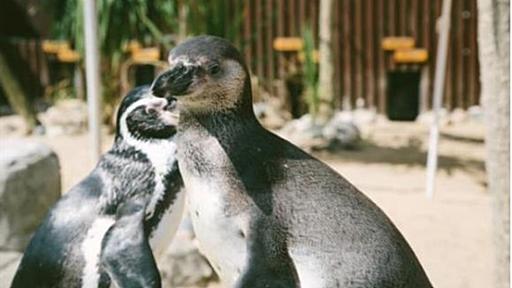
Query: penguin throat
x=161 y=155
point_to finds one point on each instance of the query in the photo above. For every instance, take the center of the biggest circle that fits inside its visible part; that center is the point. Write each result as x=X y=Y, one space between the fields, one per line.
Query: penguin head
x=144 y=117
x=207 y=73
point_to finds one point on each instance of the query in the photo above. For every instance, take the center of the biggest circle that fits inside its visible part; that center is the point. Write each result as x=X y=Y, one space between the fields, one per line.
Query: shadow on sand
x=410 y=154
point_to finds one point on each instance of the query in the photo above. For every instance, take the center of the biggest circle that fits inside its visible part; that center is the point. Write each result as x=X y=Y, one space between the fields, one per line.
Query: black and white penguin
x=265 y=213
x=110 y=226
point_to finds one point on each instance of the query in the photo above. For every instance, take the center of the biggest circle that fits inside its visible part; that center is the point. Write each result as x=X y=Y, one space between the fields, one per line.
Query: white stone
x=29 y=185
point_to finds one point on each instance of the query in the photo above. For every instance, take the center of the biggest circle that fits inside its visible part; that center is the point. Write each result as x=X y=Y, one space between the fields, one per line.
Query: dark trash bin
x=403 y=95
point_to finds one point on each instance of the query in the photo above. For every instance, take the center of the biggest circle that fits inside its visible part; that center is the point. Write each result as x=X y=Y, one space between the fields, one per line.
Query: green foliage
x=118 y=23
x=60 y=91
x=310 y=70
x=215 y=17
x=142 y=20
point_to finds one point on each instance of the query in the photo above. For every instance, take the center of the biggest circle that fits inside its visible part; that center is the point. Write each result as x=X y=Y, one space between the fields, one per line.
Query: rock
x=67 y=117
x=270 y=115
x=12 y=125
x=358 y=117
x=427 y=117
x=305 y=133
x=339 y=132
x=476 y=114
x=9 y=262
x=29 y=185
x=458 y=115
x=182 y=265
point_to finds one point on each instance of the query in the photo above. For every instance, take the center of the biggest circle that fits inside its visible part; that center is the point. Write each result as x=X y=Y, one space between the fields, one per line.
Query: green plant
x=215 y=17
x=59 y=91
x=310 y=72
x=118 y=23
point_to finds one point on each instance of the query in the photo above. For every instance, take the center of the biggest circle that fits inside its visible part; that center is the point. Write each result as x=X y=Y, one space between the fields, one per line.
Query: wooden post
x=16 y=95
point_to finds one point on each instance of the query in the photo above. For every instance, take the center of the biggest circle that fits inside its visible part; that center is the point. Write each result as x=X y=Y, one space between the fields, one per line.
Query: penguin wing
x=125 y=253
x=270 y=263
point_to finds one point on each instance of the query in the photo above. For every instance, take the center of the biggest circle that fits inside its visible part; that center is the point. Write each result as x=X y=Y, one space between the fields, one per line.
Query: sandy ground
x=450 y=234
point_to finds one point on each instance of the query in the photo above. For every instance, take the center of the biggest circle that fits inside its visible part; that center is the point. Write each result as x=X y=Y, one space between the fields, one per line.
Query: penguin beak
x=174 y=82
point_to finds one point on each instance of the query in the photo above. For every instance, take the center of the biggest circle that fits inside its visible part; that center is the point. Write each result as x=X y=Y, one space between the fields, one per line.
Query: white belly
x=219 y=236
x=164 y=233
x=91 y=249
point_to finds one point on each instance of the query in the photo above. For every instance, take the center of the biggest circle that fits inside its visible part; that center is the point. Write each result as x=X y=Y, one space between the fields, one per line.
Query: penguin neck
x=157 y=151
x=155 y=159
x=222 y=124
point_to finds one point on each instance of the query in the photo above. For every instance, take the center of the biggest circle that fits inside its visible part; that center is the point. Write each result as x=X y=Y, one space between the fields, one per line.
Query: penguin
x=265 y=213
x=109 y=228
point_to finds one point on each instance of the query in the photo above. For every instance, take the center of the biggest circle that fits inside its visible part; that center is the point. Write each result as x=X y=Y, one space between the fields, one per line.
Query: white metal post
x=92 y=77
x=440 y=72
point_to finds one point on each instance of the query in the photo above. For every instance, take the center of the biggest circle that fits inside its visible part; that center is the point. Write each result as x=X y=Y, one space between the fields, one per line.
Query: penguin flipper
x=270 y=262
x=125 y=253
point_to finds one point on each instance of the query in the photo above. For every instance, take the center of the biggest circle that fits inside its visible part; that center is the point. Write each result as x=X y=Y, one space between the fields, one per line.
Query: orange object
x=68 y=56
x=146 y=54
x=132 y=46
x=411 y=56
x=54 y=46
x=288 y=44
x=397 y=43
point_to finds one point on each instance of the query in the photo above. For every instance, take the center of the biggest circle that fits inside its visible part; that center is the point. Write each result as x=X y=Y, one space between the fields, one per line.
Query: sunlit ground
x=451 y=234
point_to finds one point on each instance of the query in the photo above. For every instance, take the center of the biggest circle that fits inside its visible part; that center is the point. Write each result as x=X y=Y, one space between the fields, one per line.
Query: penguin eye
x=214 y=68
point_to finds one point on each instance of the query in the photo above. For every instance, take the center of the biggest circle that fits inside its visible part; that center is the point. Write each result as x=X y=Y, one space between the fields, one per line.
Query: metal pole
x=92 y=77
x=440 y=72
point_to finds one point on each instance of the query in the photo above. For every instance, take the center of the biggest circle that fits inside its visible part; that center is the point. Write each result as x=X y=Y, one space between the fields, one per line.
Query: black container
x=403 y=95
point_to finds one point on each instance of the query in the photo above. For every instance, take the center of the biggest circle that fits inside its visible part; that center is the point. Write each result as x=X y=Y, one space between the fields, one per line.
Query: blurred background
x=351 y=81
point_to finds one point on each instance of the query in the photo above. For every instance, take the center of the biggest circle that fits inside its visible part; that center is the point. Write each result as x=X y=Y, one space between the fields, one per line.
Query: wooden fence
x=361 y=66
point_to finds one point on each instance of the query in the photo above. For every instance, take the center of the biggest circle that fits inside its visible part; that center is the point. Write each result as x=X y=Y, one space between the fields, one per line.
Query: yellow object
x=54 y=46
x=411 y=56
x=132 y=46
x=288 y=44
x=146 y=55
x=302 y=57
x=68 y=55
x=397 y=43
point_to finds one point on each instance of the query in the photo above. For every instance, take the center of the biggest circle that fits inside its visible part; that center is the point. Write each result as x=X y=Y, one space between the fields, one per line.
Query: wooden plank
x=292 y=15
x=248 y=35
x=459 y=53
x=347 y=70
x=336 y=54
x=236 y=12
x=427 y=43
x=281 y=89
x=391 y=27
x=413 y=20
x=302 y=14
x=370 y=47
x=402 y=17
x=473 y=82
x=268 y=48
x=314 y=17
x=258 y=21
x=381 y=63
x=358 y=53
x=450 y=65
